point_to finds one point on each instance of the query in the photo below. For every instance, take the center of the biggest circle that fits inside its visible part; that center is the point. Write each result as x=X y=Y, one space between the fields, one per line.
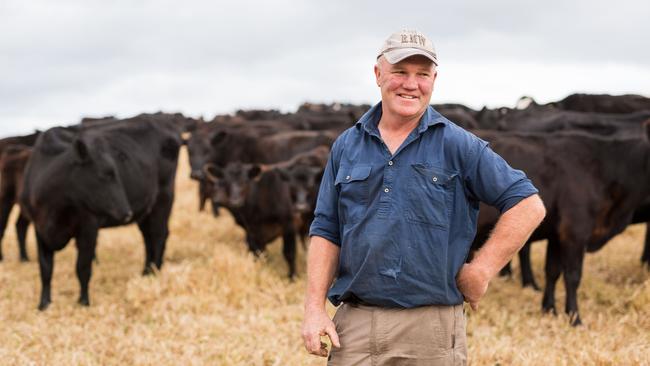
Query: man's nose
x=410 y=82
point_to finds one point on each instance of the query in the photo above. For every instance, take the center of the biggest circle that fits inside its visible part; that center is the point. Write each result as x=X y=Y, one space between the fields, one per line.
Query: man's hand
x=472 y=281
x=315 y=325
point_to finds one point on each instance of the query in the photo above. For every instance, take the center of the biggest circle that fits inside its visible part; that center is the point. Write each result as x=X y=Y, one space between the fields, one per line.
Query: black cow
x=27 y=140
x=334 y=117
x=548 y=119
x=259 y=114
x=91 y=120
x=185 y=124
x=200 y=148
x=589 y=196
x=303 y=174
x=100 y=176
x=12 y=165
x=603 y=103
x=260 y=202
x=461 y=115
x=248 y=147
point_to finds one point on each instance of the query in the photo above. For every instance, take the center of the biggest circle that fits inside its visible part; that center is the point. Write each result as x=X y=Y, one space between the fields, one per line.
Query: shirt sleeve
x=493 y=181
x=326 y=217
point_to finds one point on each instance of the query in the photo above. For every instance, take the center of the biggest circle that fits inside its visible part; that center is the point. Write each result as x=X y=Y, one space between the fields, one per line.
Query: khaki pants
x=428 y=335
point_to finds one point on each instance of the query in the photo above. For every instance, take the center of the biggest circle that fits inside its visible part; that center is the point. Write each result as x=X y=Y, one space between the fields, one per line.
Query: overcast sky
x=62 y=60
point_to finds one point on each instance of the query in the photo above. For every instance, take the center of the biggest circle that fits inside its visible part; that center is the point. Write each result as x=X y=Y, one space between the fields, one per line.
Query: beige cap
x=407 y=43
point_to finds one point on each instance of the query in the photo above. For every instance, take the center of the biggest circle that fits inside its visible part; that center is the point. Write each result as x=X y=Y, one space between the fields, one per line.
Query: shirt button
x=348 y=177
x=435 y=179
x=386 y=190
x=390 y=162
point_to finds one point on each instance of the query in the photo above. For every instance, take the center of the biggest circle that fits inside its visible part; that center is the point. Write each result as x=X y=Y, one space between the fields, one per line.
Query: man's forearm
x=510 y=233
x=322 y=261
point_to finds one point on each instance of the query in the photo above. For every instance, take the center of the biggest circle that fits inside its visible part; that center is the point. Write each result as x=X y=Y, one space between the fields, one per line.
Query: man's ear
x=433 y=82
x=377 y=73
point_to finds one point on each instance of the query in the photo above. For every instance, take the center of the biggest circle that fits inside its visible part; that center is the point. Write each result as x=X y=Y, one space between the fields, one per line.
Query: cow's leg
x=289 y=249
x=203 y=196
x=46 y=265
x=572 y=259
x=148 y=250
x=253 y=243
x=215 y=208
x=155 y=231
x=209 y=191
x=303 y=241
x=5 y=209
x=527 y=277
x=645 y=257
x=304 y=235
x=86 y=244
x=21 y=232
x=553 y=269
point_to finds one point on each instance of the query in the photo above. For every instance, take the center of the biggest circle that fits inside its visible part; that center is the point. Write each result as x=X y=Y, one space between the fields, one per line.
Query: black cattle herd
x=588 y=154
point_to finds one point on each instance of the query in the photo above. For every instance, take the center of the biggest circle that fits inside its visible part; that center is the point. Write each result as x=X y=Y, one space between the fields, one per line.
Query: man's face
x=405 y=86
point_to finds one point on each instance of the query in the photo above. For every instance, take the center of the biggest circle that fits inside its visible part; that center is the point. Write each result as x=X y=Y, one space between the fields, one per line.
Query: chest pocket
x=430 y=195
x=352 y=184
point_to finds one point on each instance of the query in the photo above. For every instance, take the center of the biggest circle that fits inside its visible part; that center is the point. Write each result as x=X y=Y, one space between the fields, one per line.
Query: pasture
x=215 y=304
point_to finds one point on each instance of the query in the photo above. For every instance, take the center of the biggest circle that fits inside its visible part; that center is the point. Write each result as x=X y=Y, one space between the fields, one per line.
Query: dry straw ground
x=214 y=304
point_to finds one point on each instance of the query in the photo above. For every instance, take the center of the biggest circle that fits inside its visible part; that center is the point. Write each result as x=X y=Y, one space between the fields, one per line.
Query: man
x=395 y=218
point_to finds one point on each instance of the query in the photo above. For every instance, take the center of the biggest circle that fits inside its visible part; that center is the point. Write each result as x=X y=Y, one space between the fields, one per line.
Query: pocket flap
x=353 y=174
x=433 y=174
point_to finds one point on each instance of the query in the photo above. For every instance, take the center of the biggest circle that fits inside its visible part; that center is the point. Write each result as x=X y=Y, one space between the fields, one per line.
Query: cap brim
x=395 y=56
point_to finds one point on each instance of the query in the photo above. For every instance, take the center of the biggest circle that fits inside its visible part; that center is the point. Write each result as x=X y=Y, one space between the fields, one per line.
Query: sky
x=66 y=59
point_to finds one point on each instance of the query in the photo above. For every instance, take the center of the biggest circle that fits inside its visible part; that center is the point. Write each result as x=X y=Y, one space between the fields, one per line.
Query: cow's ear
x=254 y=171
x=81 y=150
x=213 y=172
x=218 y=137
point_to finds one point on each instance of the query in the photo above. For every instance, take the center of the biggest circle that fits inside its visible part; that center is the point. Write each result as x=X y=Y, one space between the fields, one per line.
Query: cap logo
x=413 y=38
x=407 y=43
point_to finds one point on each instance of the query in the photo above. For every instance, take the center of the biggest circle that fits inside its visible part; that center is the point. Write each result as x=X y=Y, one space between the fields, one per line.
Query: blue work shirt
x=405 y=221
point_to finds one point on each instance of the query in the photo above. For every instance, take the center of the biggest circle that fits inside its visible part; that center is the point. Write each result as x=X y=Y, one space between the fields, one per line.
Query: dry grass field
x=214 y=304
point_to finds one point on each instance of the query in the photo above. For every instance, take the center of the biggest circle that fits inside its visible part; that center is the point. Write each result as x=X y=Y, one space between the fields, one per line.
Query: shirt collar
x=371 y=118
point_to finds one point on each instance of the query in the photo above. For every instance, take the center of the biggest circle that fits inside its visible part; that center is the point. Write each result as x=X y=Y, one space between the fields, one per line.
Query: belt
x=356 y=301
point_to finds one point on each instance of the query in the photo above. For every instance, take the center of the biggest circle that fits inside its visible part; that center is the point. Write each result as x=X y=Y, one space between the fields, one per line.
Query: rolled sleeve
x=496 y=183
x=326 y=218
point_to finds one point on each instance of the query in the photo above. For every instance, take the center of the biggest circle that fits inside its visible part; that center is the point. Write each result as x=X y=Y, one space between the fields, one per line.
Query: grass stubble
x=213 y=303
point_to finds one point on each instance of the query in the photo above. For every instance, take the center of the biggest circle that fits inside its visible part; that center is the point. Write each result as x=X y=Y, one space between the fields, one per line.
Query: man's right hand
x=316 y=325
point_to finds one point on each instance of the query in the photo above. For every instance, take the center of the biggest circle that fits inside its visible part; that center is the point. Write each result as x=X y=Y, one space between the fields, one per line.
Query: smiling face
x=406 y=86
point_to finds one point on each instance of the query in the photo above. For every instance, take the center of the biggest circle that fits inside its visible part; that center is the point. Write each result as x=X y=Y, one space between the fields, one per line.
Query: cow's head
x=94 y=182
x=198 y=148
x=227 y=146
x=232 y=183
x=304 y=181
